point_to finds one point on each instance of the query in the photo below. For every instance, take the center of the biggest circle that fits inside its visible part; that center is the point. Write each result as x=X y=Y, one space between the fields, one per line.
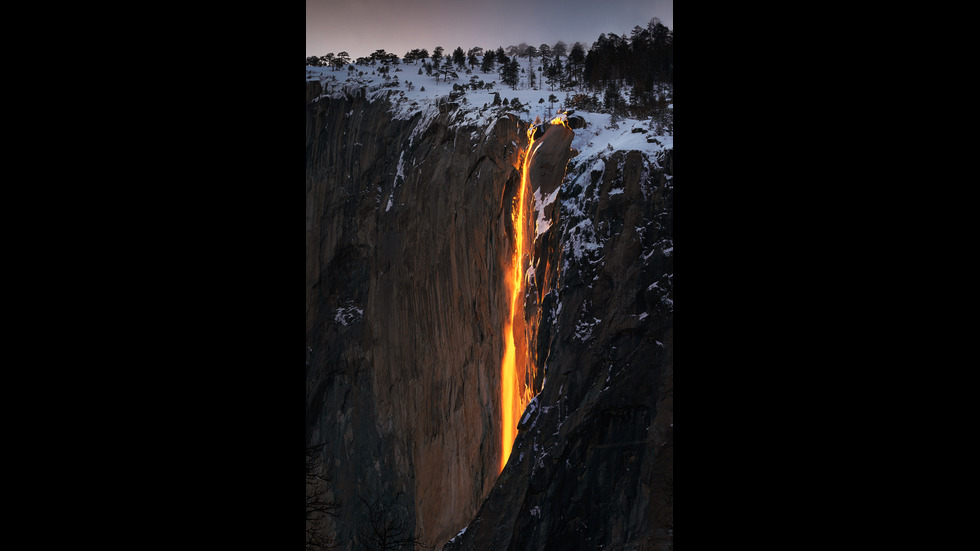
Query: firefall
x=514 y=394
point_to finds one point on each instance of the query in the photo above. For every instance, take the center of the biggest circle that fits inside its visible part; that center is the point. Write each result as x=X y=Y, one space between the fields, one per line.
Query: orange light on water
x=512 y=398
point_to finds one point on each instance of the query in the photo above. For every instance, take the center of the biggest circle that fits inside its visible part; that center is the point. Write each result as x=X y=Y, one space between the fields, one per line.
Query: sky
x=359 y=27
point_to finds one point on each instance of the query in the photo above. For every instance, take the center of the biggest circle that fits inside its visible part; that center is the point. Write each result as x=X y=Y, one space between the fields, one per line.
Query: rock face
x=592 y=466
x=409 y=236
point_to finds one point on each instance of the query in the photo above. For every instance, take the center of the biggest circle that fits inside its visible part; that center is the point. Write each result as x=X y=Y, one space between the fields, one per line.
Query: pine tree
x=559 y=49
x=511 y=73
x=613 y=98
x=576 y=61
x=500 y=56
x=544 y=51
x=530 y=53
x=459 y=57
x=487 y=65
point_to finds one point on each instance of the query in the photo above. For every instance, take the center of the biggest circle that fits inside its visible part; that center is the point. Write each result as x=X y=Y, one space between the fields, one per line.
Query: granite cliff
x=410 y=241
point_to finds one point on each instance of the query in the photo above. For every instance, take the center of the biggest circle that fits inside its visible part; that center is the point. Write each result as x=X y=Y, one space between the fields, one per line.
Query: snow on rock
x=529 y=418
x=583 y=328
x=582 y=239
x=542 y=224
x=399 y=178
x=471 y=96
x=348 y=315
x=461 y=532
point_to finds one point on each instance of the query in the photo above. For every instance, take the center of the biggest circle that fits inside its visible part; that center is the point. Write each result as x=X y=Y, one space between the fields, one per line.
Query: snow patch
x=347 y=316
x=542 y=224
x=400 y=169
x=461 y=532
x=599 y=133
x=532 y=406
x=399 y=177
x=583 y=329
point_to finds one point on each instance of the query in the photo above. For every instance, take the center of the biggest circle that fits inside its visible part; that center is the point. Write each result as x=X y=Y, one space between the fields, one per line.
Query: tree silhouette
x=544 y=51
x=553 y=73
x=318 y=507
x=500 y=56
x=576 y=61
x=459 y=57
x=437 y=57
x=559 y=49
x=487 y=64
x=641 y=62
x=613 y=99
x=510 y=73
x=387 y=531
x=530 y=53
x=343 y=58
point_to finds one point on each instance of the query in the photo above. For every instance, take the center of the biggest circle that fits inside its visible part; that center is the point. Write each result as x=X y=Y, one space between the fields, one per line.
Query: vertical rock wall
x=407 y=239
x=592 y=466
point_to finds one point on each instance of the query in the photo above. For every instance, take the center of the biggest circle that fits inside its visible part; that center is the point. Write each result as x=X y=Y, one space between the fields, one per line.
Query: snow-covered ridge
x=471 y=100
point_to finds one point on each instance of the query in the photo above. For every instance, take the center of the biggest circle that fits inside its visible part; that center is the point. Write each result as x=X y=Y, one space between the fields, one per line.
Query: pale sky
x=360 y=27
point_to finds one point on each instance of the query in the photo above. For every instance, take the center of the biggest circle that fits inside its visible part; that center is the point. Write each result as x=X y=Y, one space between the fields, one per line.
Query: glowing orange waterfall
x=513 y=399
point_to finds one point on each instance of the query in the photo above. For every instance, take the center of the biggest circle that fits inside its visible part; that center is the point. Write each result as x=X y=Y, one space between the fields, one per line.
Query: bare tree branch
x=318 y=507
x=387 y=531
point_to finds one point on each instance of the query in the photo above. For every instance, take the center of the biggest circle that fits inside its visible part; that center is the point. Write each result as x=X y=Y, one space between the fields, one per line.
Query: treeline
x=644 y=62
x=329 y=60
x=632 y=73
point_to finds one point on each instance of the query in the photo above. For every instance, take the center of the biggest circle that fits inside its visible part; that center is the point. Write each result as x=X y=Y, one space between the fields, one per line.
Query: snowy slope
x=600 y=135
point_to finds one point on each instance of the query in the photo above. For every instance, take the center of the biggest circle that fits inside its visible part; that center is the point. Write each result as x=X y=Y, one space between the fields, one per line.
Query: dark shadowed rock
x=592 y=467
x=548 y=159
